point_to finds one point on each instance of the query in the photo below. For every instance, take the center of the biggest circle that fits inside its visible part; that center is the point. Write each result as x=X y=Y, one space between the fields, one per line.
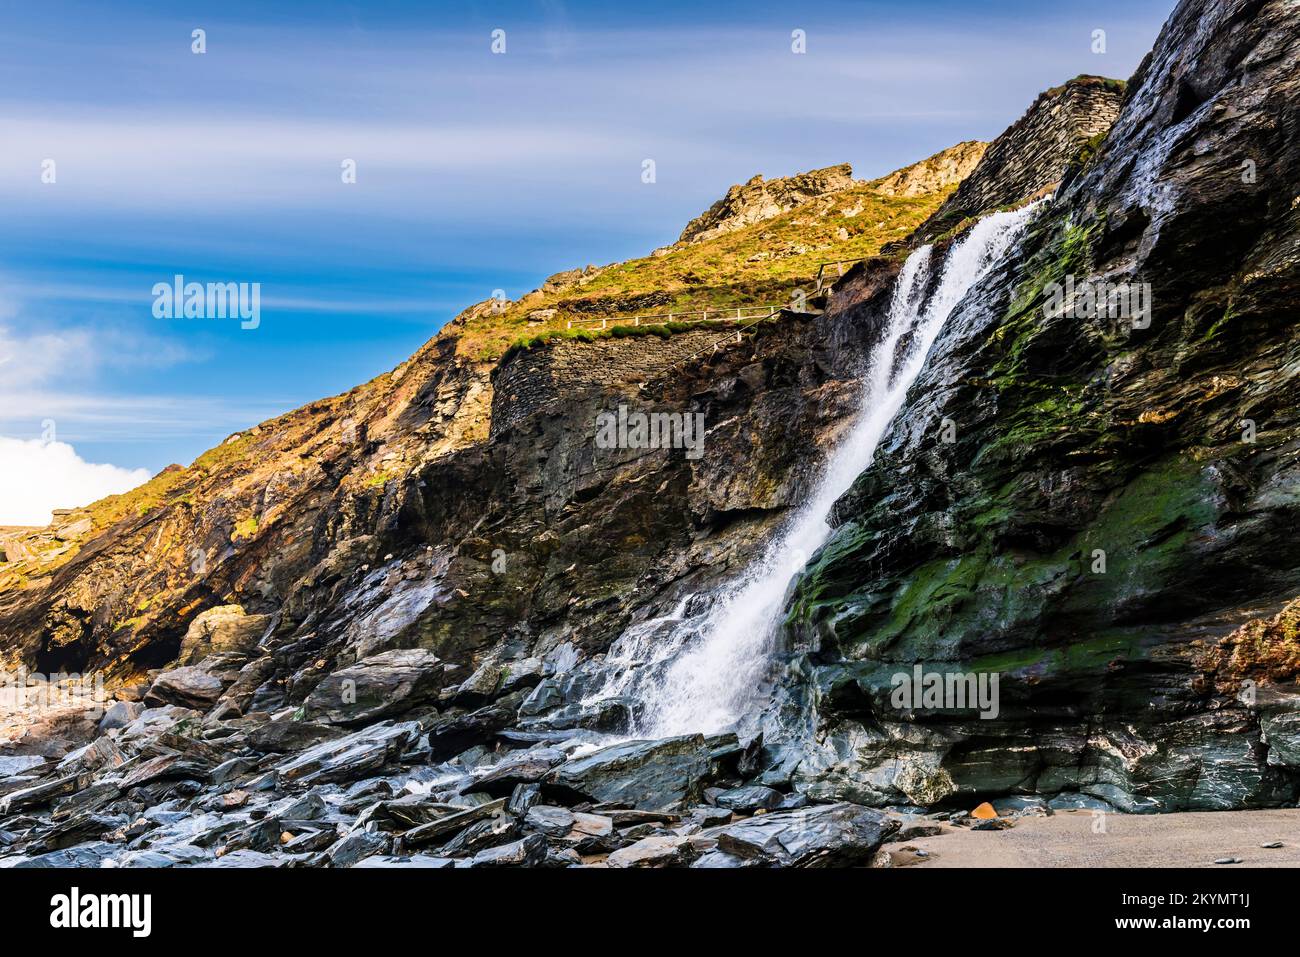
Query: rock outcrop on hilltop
x=760 y=199
x=935 y=173
x=361 y=634
x=1029 y=157
x=1117 y=504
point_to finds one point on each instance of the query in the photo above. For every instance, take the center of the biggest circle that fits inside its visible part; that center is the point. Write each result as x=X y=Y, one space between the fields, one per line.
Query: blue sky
x=475 y=171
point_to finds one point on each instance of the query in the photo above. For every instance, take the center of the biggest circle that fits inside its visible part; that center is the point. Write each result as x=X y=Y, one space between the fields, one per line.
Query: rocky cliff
x=1029 y=157
x=1095 y=503
x=934 y=173
x=760 y=199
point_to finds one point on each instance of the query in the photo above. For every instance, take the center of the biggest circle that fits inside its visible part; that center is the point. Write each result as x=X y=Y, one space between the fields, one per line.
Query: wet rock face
x=1112 y=496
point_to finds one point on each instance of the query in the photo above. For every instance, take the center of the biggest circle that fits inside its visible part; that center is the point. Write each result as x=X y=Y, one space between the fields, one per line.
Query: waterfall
x=703 y=673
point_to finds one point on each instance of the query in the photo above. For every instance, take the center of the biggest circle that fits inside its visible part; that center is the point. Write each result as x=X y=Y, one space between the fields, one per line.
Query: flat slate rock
x=528 y=852
x=357 y=755
x=663 y=851
x=749 y=799
x=831 y=835
x=452 y=823
x=188 y=687
x=388 y=861
x=555 y=821
x=376 y=687
x=20 y=764
x=644 y=775
x=517 y=767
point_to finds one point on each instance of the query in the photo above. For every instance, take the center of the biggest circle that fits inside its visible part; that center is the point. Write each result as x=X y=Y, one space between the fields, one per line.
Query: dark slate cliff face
x=1028 y=157
x=541 y=538
x=1118 y=499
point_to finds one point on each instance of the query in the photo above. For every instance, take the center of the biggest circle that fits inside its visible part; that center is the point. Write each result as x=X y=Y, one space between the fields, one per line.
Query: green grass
x=759 y=265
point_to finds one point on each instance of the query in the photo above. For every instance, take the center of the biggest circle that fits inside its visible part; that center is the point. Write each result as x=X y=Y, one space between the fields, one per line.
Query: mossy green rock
x=1120 y=494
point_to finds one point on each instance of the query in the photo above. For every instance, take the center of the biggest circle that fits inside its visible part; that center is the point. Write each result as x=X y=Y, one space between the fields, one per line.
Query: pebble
x=1272 y=844
x=1228 y=860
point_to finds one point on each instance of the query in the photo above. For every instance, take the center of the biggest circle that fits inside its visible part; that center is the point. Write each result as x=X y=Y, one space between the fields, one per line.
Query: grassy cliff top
x=760 y=264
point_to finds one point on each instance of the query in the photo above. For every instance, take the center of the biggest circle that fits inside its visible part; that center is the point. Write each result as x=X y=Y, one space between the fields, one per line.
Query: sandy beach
x=1068 y=839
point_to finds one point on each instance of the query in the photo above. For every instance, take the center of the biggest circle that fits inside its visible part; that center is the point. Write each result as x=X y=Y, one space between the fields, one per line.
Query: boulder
x=239 y=695
x=155 y=721
x=379 y=686
x=225 y=628
x=119 y=714
x=647 y=775
x=749 y=799
x=831 y=835
x=186 y=687
x=666 y=851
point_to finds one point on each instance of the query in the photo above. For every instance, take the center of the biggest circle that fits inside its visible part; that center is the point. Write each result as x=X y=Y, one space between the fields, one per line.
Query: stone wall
x=1032 y=154
x=529 y=380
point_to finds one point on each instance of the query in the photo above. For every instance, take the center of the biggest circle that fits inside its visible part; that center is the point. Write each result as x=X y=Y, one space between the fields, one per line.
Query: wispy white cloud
x=79 y=352
x=38 y=476
x=66 y=384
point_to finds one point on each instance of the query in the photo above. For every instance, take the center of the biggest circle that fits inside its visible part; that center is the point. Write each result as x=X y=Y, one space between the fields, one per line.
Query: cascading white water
x=702 y=674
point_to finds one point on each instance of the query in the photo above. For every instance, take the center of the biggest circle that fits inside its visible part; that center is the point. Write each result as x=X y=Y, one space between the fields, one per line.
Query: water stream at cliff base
x=703 y=673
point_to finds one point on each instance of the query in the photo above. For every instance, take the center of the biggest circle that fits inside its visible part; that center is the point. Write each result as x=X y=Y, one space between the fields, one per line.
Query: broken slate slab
x=385 y=861
x=517 y=767
x=357 y=846
x=43 y=793
x=188 y=687
x=452 y=823
x=350 y=757
x=20 y=764
x=749 y=799
x=528 y=852
x=646 y=775
x=376 y=687
x=831 y=835
x=666 y=851
x=555 y=821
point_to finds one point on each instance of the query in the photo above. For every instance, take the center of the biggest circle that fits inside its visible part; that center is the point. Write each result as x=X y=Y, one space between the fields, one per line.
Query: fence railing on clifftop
x=727 y=315
x=829 y=272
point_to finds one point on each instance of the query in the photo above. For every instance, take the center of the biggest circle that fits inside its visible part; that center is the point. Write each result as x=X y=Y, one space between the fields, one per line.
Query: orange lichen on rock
x=1265 y=649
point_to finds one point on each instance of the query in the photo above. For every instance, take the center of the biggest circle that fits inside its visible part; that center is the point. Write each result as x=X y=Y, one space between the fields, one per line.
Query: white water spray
x=703 y=674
